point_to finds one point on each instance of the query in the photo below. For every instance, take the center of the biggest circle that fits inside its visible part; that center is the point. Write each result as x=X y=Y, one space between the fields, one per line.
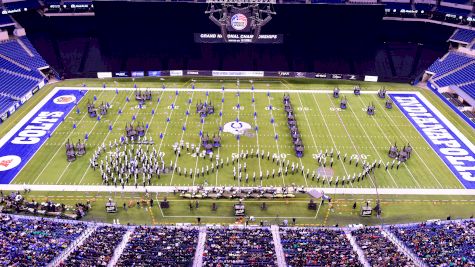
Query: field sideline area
x=323 y=126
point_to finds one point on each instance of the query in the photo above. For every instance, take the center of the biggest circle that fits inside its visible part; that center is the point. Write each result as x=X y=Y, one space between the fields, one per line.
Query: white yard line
x=69 y=163
x=371 y=142
x=300 y=159
x=153 y=115
x=171 y=112
x=387 y=139
x=183 y=133
x=257 y=135
x=197 y=156
x=220 y=124
x=329 y=133
x=347 y=133
x=107 y=135
x=61 y=146
x=166 y=126
x=277 y=142
x=238 y=142
x=230 y=90
x=405 y=138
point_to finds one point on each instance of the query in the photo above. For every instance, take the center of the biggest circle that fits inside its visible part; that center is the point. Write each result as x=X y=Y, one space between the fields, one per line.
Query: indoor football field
x=346 y=139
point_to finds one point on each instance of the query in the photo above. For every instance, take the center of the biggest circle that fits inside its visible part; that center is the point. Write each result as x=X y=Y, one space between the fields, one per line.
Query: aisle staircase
x=200 y=247
x=357 y=249
x=120 y=248
x=77 y=243
x=27 y=50
x=279 y=251
x=402 y=248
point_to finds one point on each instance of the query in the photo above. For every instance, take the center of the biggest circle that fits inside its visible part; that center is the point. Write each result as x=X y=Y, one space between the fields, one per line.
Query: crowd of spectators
x=317 y=247
x=98 y=248
x=239 y=247
x=25 y=242
x=160 y=246
x=37 y=242
x=440 y=244
x=378 y=249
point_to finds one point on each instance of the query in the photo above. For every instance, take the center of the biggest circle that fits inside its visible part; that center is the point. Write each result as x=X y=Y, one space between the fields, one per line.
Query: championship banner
x=21 y=143
x=216 y=38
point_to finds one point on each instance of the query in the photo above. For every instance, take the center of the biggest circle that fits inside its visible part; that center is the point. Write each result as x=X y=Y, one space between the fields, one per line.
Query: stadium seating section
x=5 y=103
x=239 y=247
x=19 y=70
x=455 y=69
x=378 y=250
x=26 y=242
x=460 y=76
x=160 y=247
x=425 y=7
x=317 y=247
x=98 y=249
x=451 y=61
x=462 y=2
x=29 y=241
x=450 y=244
x=463 y=35
x=454 y=11
x=5 y=20
x=469 y=89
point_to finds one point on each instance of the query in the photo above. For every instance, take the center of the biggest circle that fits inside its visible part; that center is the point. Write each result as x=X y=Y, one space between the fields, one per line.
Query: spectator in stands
x=378 y=249
x=161 y=246
x=25 y=242
x=440 y=244
x=243 y=247
x=98 y=248
x=317 y=247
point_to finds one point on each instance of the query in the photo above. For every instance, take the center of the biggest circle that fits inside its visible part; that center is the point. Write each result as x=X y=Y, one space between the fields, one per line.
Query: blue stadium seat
x=464 y=75
x=452 y=10
x=463 y=35
x=425 y=7
x=5 y=20
x=14 y=50
x=462 y=2
x=469 y=89
x=452 y=60
x=5 y=103
x=15 y=85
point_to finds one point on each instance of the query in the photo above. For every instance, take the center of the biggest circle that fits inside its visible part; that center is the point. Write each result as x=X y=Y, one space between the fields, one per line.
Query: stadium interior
x=333 y=133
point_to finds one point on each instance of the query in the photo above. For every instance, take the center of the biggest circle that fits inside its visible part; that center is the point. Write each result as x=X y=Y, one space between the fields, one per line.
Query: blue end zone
x=23 y=144
x=456 y=154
